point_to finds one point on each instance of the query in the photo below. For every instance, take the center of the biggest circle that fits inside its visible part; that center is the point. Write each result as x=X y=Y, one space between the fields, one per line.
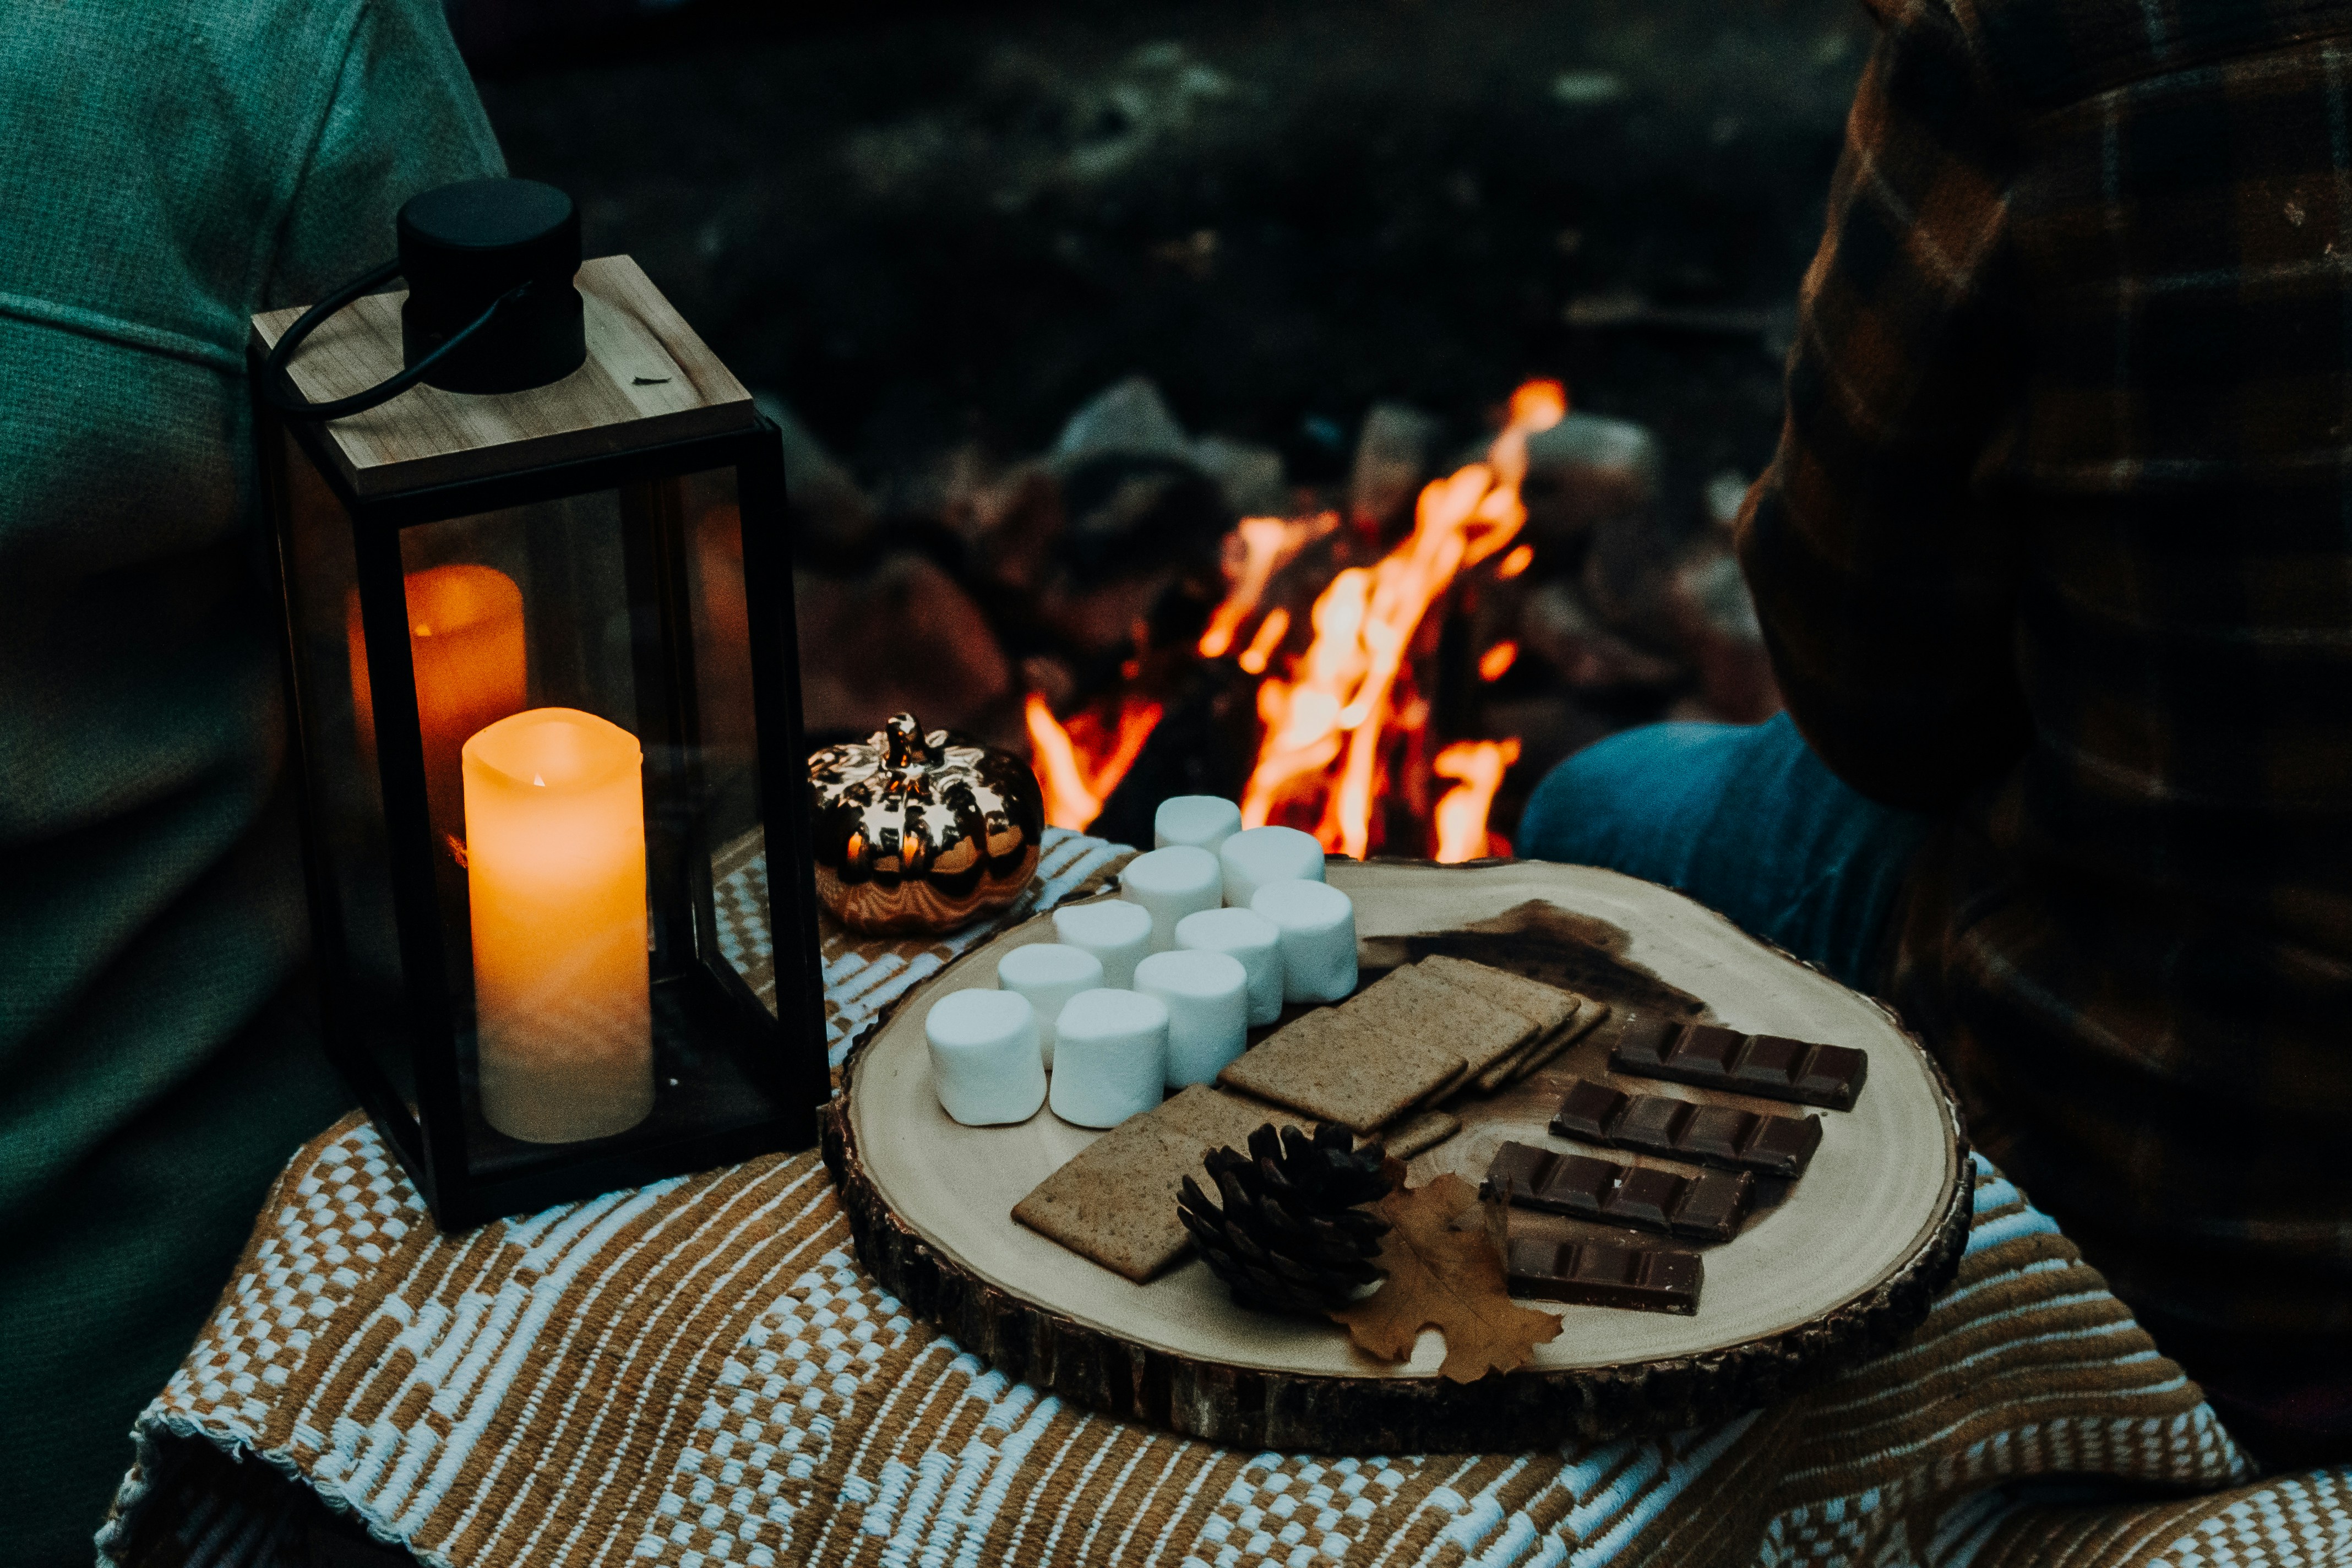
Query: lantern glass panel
x=598 y=890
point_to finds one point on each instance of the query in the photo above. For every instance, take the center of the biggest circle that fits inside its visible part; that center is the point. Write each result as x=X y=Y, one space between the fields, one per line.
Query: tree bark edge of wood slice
x=1254 y=1408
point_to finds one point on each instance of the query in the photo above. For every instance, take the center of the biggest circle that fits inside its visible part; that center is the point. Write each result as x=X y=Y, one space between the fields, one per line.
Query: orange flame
x=1270 y=633
x=1339 y=695
x=1496 y=661
x=1462 y=815
x=1255 y=550
x=1078 y=767
x=1520 y=558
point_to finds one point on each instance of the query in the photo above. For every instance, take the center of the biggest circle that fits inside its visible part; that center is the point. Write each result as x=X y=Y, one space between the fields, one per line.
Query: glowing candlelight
x=466 y=645
x=555 y=836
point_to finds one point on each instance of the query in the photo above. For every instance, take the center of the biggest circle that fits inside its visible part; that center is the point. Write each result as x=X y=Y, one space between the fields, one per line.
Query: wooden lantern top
x=648 y=379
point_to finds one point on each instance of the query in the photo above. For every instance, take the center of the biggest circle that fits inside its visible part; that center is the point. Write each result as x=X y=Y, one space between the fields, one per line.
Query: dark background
x=955 y=219
x=934 y=232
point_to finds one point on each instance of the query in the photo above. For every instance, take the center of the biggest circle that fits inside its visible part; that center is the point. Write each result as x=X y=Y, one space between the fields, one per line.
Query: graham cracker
x=1116 y=1200
x=1338 y=1065
x=1545 y=1007
x=1588 y=1018
x=1418 y=1002
x=1425 y=1130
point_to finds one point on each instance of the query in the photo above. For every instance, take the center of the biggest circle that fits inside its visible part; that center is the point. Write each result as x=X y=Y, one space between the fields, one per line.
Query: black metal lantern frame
x=623 y=559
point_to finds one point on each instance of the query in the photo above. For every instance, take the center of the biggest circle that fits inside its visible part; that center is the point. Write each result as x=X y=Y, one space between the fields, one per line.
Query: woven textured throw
x=699 y=1372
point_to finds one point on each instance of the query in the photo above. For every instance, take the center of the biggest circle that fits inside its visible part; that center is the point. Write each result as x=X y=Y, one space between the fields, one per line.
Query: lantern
x=545 y=704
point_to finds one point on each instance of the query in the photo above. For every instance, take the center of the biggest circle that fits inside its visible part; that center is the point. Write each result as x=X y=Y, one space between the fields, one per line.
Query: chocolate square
x=1713 y=1205
x=1652 y=1123
x=1644 y=1042
x=1772 y=1059
x=1783 y=1144
x=1718 y=1133
x=1575 y=1186
x=1597 y=1263
x=1644 y=1198
x=1669 y=1281
x=1588 y=1110
x=1833 y=1077
x=1515 y=1171
x=1707 y=1051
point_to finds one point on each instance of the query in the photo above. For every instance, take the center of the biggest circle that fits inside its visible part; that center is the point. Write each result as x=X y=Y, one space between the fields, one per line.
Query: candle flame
x=1079 y=766
x=1342 y=695
x=1462 y=832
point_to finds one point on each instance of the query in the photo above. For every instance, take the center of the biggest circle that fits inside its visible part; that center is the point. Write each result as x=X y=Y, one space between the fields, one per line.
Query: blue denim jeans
x=1746 y=819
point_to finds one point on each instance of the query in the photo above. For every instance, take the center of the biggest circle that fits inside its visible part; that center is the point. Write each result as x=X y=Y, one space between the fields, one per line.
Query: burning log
x=1326 y=725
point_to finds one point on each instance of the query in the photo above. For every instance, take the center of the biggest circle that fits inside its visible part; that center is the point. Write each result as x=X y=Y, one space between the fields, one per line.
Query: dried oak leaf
x=1443 y=1279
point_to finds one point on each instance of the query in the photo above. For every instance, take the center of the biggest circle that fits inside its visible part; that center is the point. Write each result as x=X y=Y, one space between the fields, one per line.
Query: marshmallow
x=1253 y=939
x=1049 y=974
x=1258 y=857
x=1116 y=931
x=1172 y=883
x=1207 y=998
x=1319 y=939
x=985 y=1063
x=1110 y=1057
x=1204 y=821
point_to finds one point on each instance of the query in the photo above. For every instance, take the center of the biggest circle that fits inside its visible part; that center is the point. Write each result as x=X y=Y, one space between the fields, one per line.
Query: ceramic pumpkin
x=921 y=833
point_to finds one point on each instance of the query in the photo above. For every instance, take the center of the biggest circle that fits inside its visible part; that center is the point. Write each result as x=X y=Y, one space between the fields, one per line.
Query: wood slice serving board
x=1842 y=1264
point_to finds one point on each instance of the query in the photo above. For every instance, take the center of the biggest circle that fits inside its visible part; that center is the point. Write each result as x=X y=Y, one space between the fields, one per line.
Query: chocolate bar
x=1596 y=1274
x=1704 y=1208
x=1719 y=1135
x=1768 y=1065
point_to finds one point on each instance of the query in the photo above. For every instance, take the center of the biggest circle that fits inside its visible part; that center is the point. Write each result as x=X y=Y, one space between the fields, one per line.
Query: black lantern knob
x=463 y=248
x=491 y=305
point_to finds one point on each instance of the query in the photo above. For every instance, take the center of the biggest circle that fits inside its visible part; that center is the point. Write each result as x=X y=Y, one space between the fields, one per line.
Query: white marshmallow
x=1205 y=821
x=1253 y=939
x=1116 y=933
x=1049 y=974
x=986 y=1067
x=1207 y=998
x=1110 y=1057
x=1319 y=939
x=1181 y=879
x=1259 y=856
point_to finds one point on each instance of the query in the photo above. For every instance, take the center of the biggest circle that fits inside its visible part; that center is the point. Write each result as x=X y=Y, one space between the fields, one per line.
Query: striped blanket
x=698 y=1373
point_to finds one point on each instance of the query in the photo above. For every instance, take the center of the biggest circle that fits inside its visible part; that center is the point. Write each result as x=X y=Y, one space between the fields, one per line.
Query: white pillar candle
x=1207 y=998
x=555 y=874
x=1049 y=974
x=1172 y=883
x=1319 y=939
x=1110 y=1057
x=1250 y=937
x=986 y=1066
x=1204 y=821
x=1116 y=933
x=1260 y=857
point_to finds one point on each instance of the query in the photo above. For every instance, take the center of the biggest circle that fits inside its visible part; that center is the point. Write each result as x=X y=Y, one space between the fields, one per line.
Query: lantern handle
x=284 y=397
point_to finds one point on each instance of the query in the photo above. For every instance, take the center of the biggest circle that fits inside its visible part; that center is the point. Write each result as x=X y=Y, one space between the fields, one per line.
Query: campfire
x=1345 y=719
x=1388 y=664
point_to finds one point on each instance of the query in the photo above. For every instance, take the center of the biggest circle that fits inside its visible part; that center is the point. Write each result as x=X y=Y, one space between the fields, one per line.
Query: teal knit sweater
x=167 y=167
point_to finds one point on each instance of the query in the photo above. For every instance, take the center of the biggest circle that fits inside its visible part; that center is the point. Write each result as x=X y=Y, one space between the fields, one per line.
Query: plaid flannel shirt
x=2058 y=542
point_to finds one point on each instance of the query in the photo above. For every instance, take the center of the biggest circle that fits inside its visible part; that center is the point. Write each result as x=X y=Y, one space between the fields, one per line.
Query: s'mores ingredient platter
x=1821 y=1235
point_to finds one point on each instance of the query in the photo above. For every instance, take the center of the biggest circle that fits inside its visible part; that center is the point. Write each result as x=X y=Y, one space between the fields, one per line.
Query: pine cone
x=1291 y=1236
